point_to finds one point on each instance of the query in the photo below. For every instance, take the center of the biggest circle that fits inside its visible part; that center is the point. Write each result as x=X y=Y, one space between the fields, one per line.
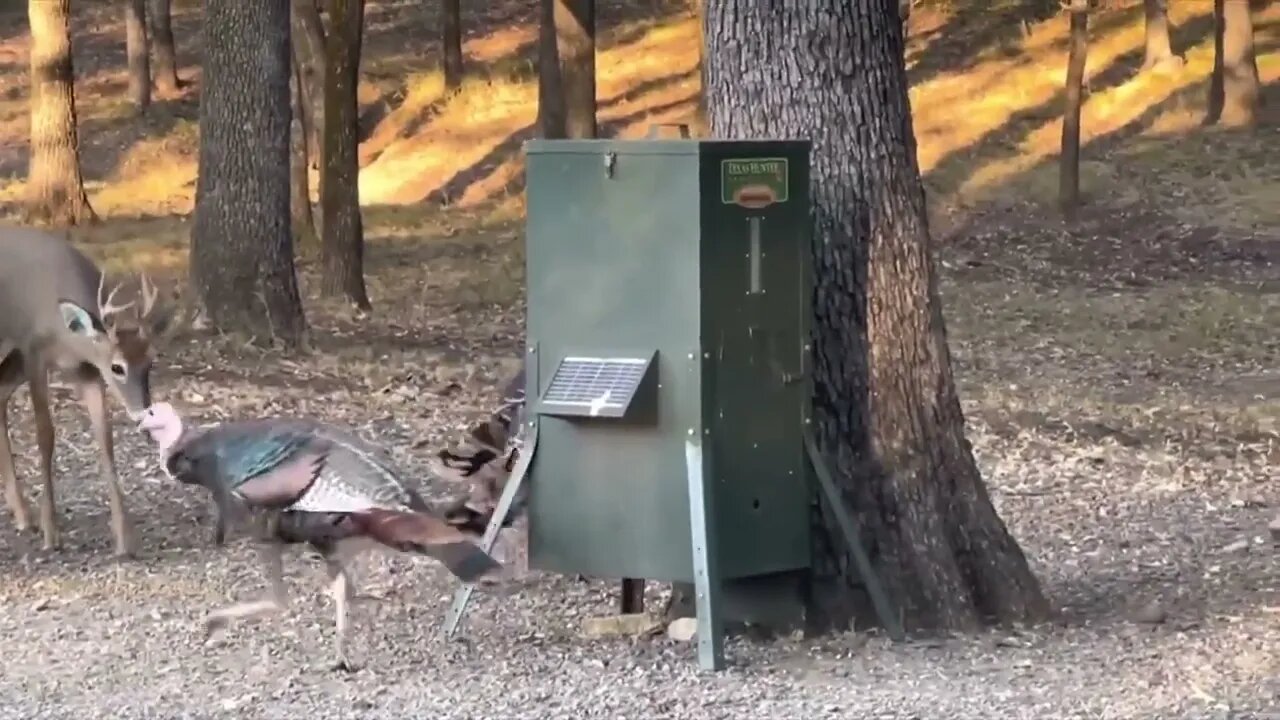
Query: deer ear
x=77 y=319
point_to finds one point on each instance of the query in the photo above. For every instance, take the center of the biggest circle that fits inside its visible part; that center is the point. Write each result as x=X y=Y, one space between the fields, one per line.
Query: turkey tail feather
x=418 y=532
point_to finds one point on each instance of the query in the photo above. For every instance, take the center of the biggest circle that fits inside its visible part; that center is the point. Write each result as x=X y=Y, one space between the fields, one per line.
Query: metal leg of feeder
x=884 y=610
x=706 y=577
x=632 y=595
x=463 y=594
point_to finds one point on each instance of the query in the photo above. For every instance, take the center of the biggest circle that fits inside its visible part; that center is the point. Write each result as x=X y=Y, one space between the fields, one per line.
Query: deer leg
x=93 y=397
x=10 y=378
x=38 y=382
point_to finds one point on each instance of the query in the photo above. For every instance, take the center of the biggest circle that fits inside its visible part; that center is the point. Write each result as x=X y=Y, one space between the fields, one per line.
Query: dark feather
x=418 y=532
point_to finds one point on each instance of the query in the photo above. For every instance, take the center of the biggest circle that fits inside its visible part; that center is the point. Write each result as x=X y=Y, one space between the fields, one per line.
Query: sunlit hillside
x=987 y=117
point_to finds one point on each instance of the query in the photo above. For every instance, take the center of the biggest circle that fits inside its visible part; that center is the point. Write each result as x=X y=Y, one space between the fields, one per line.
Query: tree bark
x=1234 y=86
x=342 y=236
x=55 y=188
x=1159 y=47
x=309 y=45
x=241 y=249
x=304 y=226
x=451 y=43
x=1069 y=161
x=575 y=24
x=166 y=55
x=139 y=53
x=550 y=85
x=885 y=403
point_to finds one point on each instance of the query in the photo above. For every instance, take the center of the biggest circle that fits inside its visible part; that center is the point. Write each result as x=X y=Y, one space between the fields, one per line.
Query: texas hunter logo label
x=753 y=182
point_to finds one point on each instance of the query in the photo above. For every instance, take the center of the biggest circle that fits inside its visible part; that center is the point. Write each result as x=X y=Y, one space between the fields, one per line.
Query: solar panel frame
x=594 y=386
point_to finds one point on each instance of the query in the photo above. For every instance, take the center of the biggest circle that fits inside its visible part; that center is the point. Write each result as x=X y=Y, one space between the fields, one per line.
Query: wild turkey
x=313 y=483
x=484 y=461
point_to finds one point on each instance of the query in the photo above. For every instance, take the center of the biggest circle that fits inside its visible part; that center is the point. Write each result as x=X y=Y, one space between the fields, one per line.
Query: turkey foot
x=343 y=665
x=221 y=618
x=271 y=555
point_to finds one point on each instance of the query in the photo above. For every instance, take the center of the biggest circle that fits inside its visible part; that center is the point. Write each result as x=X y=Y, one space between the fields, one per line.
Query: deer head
x=118 y=339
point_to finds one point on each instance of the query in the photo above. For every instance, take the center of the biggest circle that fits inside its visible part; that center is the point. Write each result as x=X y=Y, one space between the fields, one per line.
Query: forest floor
x=1120 y=377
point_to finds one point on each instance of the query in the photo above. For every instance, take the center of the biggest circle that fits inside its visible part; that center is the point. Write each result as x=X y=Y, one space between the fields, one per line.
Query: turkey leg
x=341 y=589
x=272 y=556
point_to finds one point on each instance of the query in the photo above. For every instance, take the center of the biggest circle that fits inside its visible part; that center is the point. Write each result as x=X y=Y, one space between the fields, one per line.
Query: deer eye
x=117 y=369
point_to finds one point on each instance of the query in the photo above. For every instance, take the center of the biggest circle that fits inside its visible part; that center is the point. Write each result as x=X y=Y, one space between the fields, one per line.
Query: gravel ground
x=1112 y=532
x=1145 y=518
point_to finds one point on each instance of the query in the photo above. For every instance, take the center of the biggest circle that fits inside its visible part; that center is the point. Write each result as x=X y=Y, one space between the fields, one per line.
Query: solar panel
x=594 y=386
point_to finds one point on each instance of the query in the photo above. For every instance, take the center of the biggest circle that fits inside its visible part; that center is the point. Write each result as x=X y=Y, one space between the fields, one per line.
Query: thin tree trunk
x=451 y=41
x=139 y=53
x=1234 y=88
x=342 y=236
x=241 y=248
x=551 y=106
x=1159 y=47
x=304 y=226
x=700 y=113
x=309 y=45
x=575 y=23
x=166 y=55
x=885 y=403
x=1069 y=162
x=55 y=188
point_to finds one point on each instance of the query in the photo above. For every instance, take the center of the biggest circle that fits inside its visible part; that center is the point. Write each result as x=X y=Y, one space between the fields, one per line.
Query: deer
x=56 y=315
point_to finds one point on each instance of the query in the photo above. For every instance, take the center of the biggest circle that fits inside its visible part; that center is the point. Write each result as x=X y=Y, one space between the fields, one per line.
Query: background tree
x=886 y=408
x=575 y=24
x=451 y=43
x=165 y=66
x=551 y=108
x=1158 y=50
x=241 y=249
x=1234 y=86
x=309 y=51
x=1069 y=160
x=341 y=231
x=304 y=226
x=55 y=188
x=138 y=51
x=700 y=113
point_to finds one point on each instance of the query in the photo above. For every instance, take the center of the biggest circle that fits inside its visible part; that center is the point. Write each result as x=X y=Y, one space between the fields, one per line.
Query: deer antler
x=105 y=307
x=149 y=294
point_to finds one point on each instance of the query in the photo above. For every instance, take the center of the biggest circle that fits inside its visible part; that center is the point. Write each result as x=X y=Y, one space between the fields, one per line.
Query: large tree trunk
x=451 y=43
x=575 y=23
x=1159 y=47
x=1234 y=96
x=166 y=55
x=342 y=236
x=309 y=47
x=241 y=249
x=885 y=403
x=138 y=51
x=550 y=85
x=304 y=226
x=1069 y=161
x=55 y=189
